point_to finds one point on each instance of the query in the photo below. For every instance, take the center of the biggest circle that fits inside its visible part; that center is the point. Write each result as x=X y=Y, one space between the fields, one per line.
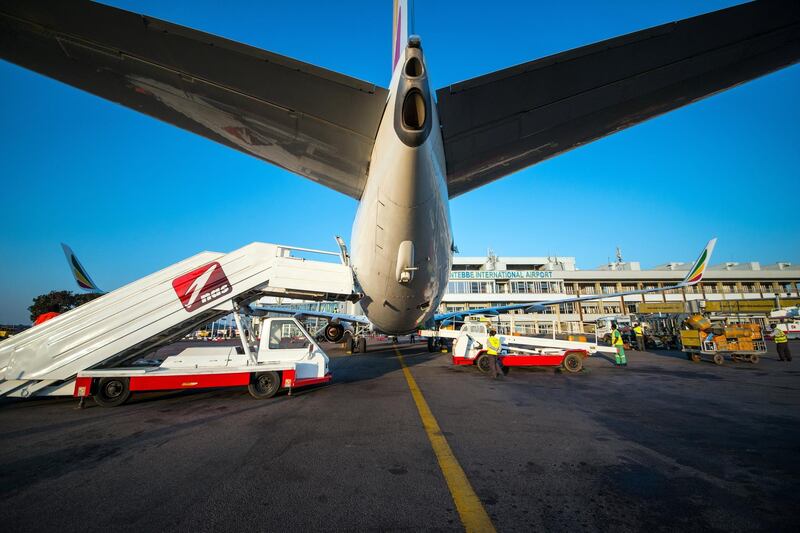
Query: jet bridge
x=126 y=324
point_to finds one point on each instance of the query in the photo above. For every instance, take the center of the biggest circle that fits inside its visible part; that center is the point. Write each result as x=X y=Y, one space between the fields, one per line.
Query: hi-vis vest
x=616 y=338
x=779 y=336
x=493 y=347
x=639 y=331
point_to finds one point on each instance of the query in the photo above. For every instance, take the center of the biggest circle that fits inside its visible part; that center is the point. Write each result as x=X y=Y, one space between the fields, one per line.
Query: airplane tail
x=82 y=277
x=399 y=30
x=699 y=267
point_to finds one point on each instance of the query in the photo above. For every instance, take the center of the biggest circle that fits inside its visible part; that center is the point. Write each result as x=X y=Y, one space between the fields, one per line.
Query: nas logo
x=201 y=286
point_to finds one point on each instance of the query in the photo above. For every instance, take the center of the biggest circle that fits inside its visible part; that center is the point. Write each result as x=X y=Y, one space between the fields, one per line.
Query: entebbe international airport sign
x=501 y=274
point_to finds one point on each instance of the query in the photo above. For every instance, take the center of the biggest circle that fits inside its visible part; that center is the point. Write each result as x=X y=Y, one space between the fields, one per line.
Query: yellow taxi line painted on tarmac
x=469 y=506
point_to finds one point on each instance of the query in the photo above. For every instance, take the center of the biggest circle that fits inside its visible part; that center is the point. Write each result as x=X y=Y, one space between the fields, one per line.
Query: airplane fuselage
x=402 y=239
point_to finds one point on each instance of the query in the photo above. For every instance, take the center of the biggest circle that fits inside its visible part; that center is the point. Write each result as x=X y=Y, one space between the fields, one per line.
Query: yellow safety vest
x=616 y=338
x=779 y=336
x=639 y=331
x=494 y=346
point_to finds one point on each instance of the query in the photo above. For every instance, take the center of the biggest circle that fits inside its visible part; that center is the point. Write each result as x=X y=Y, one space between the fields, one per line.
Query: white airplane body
x=402 y=239
x=400 y=152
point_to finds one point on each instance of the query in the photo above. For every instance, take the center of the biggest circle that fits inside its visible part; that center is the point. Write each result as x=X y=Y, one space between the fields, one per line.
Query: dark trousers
x=783 y=351
x=494 y=366
x=640 y=342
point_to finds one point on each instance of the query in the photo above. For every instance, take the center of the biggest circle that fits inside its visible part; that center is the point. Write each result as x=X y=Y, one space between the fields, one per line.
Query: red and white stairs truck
x=92 y=349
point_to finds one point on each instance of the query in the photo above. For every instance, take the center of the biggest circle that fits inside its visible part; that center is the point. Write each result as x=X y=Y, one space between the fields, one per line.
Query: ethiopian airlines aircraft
x=403 y=152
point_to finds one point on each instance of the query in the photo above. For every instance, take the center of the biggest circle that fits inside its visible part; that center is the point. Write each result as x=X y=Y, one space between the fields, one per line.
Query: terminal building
x=748 y=289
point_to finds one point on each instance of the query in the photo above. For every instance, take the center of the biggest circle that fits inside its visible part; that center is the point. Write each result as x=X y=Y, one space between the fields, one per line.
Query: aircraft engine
x=334 y=332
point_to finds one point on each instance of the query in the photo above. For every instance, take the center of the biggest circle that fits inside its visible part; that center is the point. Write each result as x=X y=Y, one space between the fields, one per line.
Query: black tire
x=572 y=363
x=264 y=385
x=505 y=369
x=754 y=358
x=352 y=346
x=361 y=345
x=483 y=363
x=112 y=392
x=431 y=345
x=695 y=357
x=718 y=359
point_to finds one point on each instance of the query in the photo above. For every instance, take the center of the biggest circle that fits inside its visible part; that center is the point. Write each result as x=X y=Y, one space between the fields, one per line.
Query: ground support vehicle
x=740 y=342
x=516 y=351
x=102 y=341
x=286 y=358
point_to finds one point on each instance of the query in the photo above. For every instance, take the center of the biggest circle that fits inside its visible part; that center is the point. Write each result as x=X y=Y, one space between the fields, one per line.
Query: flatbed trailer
x=516 y=351
x=95 y=348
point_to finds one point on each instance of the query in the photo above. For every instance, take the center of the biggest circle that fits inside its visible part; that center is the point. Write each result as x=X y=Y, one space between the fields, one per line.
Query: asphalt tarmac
x=662 y=445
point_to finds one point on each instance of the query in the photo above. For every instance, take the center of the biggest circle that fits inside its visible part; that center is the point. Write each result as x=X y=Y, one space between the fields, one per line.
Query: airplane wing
x=502 y=122
x=693 y=277
x=314 y=122
x=303 y=313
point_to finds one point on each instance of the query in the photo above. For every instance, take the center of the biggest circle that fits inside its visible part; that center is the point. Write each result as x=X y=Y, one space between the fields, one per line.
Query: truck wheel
x=112 y=392
x=695 y=357
x=483 y=363
x=754 y=358
x=572 y=363
x=718 y=359
x=352 y=346
x=431 y=345
x=264 y=385
x=361 y=345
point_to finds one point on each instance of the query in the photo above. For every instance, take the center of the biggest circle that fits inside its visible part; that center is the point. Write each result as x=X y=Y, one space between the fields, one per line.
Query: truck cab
x=603 y=326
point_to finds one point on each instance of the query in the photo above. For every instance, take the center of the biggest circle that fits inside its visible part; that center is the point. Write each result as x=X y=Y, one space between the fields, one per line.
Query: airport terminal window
x=535 y=287
x=588 y=288
x=569 y=288
x=608 y=289
x=728 y=288
x=470 y=287
x=284 y=334
x=568 y=307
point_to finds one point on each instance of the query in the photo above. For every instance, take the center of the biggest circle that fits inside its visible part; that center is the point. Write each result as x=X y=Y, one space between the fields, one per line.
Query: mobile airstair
x=122 y=326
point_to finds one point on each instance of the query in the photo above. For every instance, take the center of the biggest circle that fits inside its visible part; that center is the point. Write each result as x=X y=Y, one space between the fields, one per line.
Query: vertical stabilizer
x=80 y=274
x=399 y=30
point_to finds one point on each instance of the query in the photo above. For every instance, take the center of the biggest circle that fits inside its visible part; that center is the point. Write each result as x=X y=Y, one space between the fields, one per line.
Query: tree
x=59 y=302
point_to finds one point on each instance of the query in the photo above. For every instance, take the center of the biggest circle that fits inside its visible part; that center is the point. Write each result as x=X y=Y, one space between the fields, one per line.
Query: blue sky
x=113 y=183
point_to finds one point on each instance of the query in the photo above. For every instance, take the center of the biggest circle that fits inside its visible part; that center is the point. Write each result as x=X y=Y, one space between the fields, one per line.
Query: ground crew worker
x=492 y=350
x=782 y=344
x=639 y=331
x=616 y=342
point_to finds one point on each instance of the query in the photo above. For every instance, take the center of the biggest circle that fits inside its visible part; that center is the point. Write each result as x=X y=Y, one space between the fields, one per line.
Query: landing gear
x=357 y=345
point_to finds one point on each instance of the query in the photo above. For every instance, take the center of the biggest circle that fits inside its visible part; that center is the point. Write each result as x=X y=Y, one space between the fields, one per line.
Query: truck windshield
x=285 y=335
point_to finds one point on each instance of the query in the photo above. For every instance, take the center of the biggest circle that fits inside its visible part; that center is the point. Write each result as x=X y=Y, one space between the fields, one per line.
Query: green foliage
x=58 y=301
